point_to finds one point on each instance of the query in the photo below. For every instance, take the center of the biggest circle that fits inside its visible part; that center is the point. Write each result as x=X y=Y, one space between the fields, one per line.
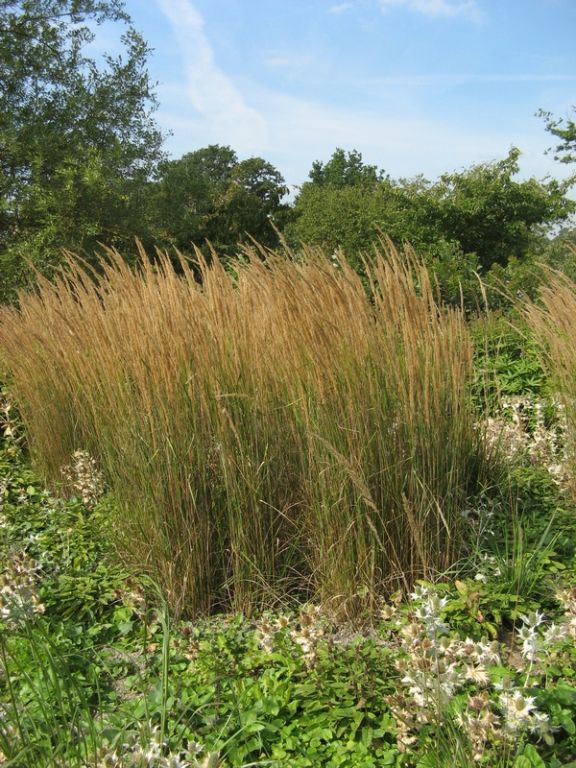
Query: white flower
x=478 y=675
x=505 y=684
x=419 y=592
x=533 y=619
x=555 y=634
x=540 y=723
x=488 y=652
x=519 y=710
x=530 y=643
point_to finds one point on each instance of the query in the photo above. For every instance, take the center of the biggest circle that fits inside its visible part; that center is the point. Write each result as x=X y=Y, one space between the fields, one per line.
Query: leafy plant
x=507 y=362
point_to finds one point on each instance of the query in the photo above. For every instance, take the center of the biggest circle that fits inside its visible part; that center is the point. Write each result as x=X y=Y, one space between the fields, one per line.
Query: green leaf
x=125 y=627
x=568 y=724
x=529 y=759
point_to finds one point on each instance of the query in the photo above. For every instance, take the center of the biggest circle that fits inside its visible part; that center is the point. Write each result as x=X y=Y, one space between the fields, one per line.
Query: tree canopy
x=565 y=131
x=82 y=163
x=490 y=213
x=78 y=140
x=344 y=169
x=483 y=210
x=210 y=195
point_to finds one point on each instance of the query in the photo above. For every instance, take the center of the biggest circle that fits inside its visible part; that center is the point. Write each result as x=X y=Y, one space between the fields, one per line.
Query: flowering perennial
x=84 y=478
x=19 y=582
x=521 y=430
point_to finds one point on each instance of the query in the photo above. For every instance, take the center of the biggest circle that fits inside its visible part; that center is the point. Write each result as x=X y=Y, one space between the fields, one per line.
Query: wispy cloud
x=210 y=91
x=437 y=8
x=447 y=80
x=302 y=130
x=340 y=7
x=204 y=104
x=290 y=60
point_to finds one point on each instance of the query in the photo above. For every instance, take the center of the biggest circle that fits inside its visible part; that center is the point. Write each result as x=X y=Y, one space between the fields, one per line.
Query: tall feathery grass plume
x=277 y=428
x=553 y=320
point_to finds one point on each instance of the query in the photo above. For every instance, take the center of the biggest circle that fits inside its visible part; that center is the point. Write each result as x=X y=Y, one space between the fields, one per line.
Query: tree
x=482 y=211
x=78 y=141
x=489 y=213
x=210 y=195
x=184 y=195
x=336 y=217
x=341 y=206
x=565 y=130
x=344 y=169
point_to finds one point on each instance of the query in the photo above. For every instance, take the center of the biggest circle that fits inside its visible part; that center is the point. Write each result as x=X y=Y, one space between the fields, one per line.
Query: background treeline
x=82 y=165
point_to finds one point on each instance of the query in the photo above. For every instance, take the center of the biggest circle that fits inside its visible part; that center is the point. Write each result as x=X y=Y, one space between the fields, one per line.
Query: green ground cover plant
x=466 y=671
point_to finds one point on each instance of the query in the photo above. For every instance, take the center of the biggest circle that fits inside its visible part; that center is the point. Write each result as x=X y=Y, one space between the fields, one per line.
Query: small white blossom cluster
x=538 y=641
x=521 y=430
x=528 y=635
x=429 y=611
x=19 y=589
x=487 y=568
x=84 y=478
x=9 y=424
x=480 y=723
x=433 y=667
x=311 y=627
x=266 y=631
x=520 y=714
x=306 y=633
x=156 y=755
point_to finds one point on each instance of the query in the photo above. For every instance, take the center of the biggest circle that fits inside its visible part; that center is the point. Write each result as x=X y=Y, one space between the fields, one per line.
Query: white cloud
x=210 y=91
x=311 y=130
x=339 y=8
x=436 y=8
x=289 y=60
x=301 y=131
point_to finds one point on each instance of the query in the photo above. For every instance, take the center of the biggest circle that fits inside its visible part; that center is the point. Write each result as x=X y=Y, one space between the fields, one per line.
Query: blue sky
x=417 y=86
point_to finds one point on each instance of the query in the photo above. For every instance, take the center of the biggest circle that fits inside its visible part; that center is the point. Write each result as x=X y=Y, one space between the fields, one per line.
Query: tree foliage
x=81 y=163
x=210 y=195
x=344 y=169
x=565 y=131
x=78 y=141
x=489 y=213
x=482 y=211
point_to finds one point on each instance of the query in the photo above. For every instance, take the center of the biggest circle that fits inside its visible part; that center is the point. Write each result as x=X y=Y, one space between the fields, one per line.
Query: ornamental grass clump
x=276 y=428
x=553 y=319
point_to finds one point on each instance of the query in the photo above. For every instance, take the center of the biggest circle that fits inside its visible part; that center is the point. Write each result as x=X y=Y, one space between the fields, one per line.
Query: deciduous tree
x=483 y=210
x=210 y=195
x=78 y=140
x=565 y=131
